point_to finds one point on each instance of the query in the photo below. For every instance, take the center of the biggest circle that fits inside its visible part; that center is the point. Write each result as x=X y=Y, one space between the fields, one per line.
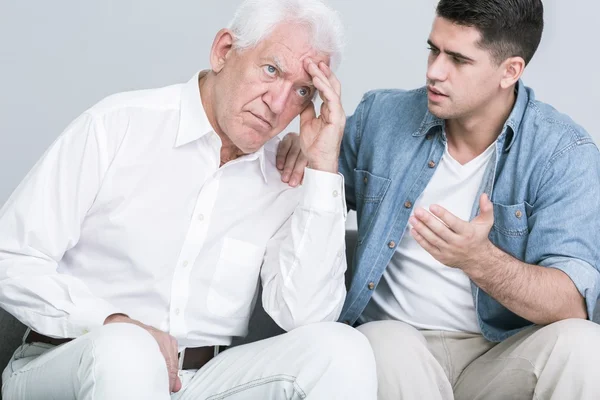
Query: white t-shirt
x=417 y=289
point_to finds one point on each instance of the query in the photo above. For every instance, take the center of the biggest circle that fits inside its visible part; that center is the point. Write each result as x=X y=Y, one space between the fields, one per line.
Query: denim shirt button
x=518 y=214
x=392 y=244
x=431 y=164
x=365 y=180
x=408 y=204
x=371 y=285
x=429 y=136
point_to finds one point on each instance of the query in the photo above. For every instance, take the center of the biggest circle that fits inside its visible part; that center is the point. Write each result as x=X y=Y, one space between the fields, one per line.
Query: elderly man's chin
x=251 y=139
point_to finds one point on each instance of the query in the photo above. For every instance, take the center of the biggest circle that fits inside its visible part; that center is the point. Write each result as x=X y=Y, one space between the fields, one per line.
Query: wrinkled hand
x=452 y=241
x=318 y=145
x=320 y=137
x=166 y=343
x=290 y=160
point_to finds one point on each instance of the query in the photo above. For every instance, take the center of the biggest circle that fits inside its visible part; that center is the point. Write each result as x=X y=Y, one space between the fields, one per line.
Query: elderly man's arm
x=41 y=221
x=303 y=270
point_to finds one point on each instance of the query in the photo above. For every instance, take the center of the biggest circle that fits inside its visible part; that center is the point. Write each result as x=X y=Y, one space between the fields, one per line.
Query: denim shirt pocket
x=510 y=231
x=370 y=190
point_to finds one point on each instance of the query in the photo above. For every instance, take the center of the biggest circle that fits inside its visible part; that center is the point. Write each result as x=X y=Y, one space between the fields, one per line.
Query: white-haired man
x=136 y=244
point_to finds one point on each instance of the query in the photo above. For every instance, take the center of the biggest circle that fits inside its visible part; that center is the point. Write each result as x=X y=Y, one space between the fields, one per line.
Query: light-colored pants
x=122 y=361
x=560 y=361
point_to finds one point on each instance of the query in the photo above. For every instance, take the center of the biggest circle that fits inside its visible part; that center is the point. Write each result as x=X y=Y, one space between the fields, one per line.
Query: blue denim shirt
x=544 y=182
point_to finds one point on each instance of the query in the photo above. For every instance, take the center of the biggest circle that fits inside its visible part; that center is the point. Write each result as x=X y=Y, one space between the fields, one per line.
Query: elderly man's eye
x=303 y=92
x=270 y=70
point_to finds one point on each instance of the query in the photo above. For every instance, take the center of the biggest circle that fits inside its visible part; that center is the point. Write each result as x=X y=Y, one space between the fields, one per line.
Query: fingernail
x=293 y=182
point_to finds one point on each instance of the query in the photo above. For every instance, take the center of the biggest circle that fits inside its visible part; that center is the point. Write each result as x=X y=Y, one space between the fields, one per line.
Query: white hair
x=255 y=19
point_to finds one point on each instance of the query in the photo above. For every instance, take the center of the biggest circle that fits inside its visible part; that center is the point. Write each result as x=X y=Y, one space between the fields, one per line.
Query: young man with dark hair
x=478 y=222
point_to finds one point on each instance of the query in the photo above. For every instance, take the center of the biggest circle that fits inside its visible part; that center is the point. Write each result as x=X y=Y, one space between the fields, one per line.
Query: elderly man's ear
x=221 y=49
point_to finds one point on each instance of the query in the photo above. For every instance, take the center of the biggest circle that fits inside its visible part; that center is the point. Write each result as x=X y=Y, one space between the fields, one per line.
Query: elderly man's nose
x=277 y=96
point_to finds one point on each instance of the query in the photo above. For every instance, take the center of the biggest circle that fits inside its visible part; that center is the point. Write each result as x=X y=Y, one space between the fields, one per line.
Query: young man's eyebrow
x=450 y=53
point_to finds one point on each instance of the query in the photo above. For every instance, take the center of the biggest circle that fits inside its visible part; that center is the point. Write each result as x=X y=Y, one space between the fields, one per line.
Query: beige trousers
x=560 y=361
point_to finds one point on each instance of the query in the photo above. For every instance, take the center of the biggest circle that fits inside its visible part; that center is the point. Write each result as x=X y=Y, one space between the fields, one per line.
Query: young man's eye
x=270 y=70
x=433 y=50
x=458 y=60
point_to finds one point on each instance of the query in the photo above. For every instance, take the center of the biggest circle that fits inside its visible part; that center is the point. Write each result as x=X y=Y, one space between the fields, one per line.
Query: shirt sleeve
x=40 y=222
x=565 y=219
x=305 y=261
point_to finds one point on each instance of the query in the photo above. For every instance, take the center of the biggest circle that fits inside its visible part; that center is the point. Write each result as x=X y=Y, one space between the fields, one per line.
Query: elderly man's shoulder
x=157 y=99
x=272 y=174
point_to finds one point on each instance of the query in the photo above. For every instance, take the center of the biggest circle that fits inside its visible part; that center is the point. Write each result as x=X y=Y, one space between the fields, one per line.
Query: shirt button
x=335 y=193
x=365 y=180
x=431 y=164
x=429 y=136
x=371 y=285
x=177 y=311
x=185 y=263
x=391 y=244
x=85 y=331
x=408 y=204
x=518 y=214
x=200 y=217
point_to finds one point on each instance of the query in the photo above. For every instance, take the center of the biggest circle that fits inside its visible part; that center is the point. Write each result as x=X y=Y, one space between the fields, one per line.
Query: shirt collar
x=513 y=122
x=194 y=123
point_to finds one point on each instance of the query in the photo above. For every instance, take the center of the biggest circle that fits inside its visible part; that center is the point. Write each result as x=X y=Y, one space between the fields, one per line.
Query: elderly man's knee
x=339 y=345
x=120 y=349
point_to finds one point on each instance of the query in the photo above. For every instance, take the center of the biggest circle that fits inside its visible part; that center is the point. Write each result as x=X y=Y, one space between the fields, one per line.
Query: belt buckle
x=216 y=351
x=181 y=357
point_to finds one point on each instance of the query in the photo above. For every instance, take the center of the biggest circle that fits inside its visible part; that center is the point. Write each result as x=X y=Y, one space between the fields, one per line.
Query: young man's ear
x=513 y=70
x=221 y=49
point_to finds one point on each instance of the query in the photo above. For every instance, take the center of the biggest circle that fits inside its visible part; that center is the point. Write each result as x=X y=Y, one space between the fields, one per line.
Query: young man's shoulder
x=392 y=108
x=397 y=98
x=542 y=122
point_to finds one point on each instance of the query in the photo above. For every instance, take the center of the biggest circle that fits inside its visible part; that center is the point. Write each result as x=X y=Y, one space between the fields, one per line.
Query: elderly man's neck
x=229 y=151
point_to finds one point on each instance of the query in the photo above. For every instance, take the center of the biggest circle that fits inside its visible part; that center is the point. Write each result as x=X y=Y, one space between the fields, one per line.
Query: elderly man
x=135 y=246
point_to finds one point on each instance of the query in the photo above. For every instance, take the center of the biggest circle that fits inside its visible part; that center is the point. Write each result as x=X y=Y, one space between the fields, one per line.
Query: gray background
x=57 y=58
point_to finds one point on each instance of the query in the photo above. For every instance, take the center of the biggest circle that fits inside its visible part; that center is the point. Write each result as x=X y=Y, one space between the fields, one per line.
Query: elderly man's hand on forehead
x=320 y=137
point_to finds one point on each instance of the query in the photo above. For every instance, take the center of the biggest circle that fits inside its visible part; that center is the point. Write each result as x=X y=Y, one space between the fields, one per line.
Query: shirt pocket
x=510 y=231
x=235 y=279
x=370 y=190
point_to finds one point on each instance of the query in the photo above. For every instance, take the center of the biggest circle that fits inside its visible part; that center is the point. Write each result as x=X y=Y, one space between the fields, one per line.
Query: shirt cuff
x=91 y=315
x=324 y=191
x=585 y=277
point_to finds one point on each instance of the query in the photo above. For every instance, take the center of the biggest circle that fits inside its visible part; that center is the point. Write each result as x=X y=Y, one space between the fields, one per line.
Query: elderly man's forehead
x=296 y=39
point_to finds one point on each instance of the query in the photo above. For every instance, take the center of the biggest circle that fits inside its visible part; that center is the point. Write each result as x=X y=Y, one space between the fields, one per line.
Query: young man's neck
x=229 y=151
x=470 y=136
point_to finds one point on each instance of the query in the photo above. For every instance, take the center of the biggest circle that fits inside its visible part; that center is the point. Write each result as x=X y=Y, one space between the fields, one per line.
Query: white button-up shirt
x=129 y=212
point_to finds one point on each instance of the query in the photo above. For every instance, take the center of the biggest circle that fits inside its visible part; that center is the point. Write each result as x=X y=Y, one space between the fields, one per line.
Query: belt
x=193 y=357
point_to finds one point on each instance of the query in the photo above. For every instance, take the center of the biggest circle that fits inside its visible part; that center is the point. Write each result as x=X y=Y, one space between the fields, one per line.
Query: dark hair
x=508 y=28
